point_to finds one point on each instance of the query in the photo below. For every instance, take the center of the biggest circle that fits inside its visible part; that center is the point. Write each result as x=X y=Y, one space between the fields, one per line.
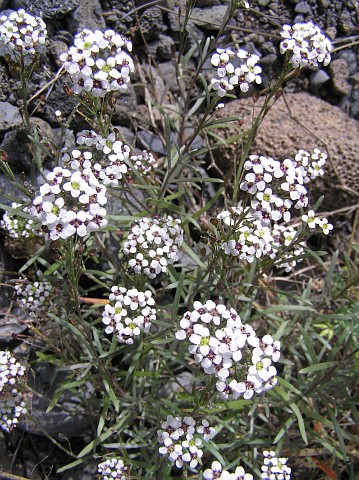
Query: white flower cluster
x=71 y=202
x=153 y=244
x=231 y=76
x=216 y=472
x=97 y=63
x=112 y=469
x=276 y=187
x=182 y=439
x=250 y=239
x=73 y=199
x=34 y=296
x=144 y=162
x=307 y=45
x=22 y=33
x=229 y=350
x=107 y=158
x=129 y=313
x=314 y=221
x=275 y=468
x=12 y=402
x=19 y=227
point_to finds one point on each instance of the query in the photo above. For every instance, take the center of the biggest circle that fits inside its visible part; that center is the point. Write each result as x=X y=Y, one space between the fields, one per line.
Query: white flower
x=310 y=219
x=325 y=226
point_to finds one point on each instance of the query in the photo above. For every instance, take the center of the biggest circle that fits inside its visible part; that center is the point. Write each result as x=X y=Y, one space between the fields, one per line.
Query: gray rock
x=354 y=106
x=346 y=24
x=59 y=100
x=263 y=3
x=209 y=18
x=317 y=80
x=8 y=191
x=151 y=141
x=9 y=116
x=324 y=4
x=164 y=48
x=351 y=60
x=269 y=59
x=68 y=418
x=194 y=34
x=52 y=9
x=339 y=73
x=151 y=24
x=303 y=7
x=125 y=104
x=56 y=48
x=17 y=144
x=126 y=135
x=87 y=15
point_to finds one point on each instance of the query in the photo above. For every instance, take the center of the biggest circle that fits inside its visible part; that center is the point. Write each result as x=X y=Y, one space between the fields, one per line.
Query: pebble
x=317 y=79
x=339 y=73
x=303 y=7
x=9 y=116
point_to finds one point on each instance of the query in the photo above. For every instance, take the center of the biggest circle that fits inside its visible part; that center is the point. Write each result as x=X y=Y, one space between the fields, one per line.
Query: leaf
x=187 y=249
x=324 y=468
x=318 y=367
x=296 y=411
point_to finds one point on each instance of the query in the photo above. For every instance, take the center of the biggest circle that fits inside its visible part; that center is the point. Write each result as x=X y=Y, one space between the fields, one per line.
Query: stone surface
x=302 y=7
x=67 y=418
x=50 y=9
x=346 y=24
x=9 y=116
x=302 y=122
x=339 y=73
x=87 y=15
x=209 y=18
x=151 y=24
x=17 y=145
x=56 y=48
x=317 y=80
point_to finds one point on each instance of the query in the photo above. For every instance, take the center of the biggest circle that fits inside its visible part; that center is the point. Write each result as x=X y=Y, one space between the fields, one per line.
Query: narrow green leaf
x=318 y=368
x=301 y=424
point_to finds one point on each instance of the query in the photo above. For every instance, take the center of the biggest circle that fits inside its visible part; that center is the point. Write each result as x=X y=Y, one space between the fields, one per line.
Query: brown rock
x=297 y=121
x=339 y=72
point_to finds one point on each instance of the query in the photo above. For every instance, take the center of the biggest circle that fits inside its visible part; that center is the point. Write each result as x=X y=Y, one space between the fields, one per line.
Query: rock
x=125 y=104
x=162 y=49
x=209 y=18
x=87 y=15
x=324 y=4
x=346 y=24
x=303 y=7
x=318 y=124
x=207 y=3
x=19 y=148
x=56 y=48
x=339 y=73
x=9 y=116
x=151 y=141
x=59 y=100
x=317 y=80
x=263 y=3
x=194 y=34
x=46 y=9
x=68 y=418
x=9 y=192
x=151 y=24
x=351 y=60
